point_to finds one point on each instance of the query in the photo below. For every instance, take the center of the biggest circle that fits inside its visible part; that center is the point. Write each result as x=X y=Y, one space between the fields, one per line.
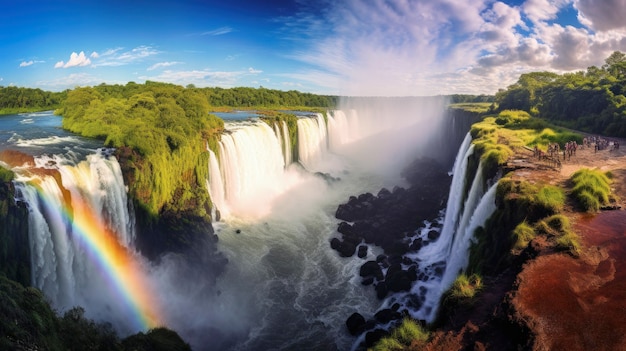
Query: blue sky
x=347 y=47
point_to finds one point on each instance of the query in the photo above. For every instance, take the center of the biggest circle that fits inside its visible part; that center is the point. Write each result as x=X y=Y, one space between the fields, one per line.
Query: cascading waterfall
x=78 y=215
x=312 y=141
x=252 y=165
x=451 y=251
x=286 y=144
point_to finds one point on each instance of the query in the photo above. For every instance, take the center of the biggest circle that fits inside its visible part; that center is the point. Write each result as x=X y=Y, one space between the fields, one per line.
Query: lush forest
x=16 y=100
x=592 y=101
x=161 y=131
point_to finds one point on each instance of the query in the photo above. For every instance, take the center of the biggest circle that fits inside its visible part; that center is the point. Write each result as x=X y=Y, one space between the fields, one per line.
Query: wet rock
x=373 y=336
x=387 y=315
x=362 y=251
x=355 y=323
x=371 y=269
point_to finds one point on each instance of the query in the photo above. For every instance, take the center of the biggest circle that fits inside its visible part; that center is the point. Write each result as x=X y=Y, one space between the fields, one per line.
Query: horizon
x=345 y=48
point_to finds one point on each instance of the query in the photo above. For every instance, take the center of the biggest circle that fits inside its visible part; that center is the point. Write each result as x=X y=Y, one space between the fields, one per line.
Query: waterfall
x=252 y=166
x=286 y=144
x=312 y=141
x=444 y=259
x=216 y=184
x=68 y=201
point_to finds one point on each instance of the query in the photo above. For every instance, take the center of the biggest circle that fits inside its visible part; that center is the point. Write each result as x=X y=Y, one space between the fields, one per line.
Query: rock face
x=14 y=248
x=388 y=220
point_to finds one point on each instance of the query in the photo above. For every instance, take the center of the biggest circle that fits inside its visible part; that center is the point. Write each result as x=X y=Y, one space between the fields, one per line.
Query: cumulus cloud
x=398 y=47
x=602 y=15
x=254 y=71
x=74 y=61
x=94 y=55
x=162 y=65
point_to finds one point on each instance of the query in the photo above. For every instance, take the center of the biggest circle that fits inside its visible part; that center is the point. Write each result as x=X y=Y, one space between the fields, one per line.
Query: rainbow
x=119 y=265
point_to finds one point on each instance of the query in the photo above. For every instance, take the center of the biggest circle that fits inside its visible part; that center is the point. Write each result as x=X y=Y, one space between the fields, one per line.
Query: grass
x=590 y=189
x=406 y=334
x=522 y=235
x=464 y=288
x=552 y=198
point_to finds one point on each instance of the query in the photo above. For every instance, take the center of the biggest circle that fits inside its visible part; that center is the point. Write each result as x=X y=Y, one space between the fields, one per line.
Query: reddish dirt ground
x=580 y=303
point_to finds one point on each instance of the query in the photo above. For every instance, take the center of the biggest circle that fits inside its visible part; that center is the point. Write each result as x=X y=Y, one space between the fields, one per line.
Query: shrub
x=465 y=287
x=569 y=241
x=522 y=235
x=404 y=335
x=590 y=188
x=551 y=198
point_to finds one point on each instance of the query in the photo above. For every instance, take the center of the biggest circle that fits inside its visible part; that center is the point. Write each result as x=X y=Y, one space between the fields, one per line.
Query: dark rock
x=345 y=228
x=335 y=243
x=362 y=251
x=433 y=235
x=387 y=315
x=355 y=323
x=368 y=281
x=374 y=336
x=398 y=281
x=381 y=290
x=371 y=269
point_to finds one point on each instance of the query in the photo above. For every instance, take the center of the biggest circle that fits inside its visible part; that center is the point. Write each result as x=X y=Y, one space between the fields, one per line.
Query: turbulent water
x=284 y=288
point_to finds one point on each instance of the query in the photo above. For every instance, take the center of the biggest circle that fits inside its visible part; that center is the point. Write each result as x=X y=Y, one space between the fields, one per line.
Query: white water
x=312 y=141
x=61 y=266
x=451 y=250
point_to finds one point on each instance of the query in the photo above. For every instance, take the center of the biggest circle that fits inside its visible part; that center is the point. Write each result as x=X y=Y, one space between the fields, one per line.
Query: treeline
x=17 y=100
x=464 y=98
x=592 y=101
x=262 y=97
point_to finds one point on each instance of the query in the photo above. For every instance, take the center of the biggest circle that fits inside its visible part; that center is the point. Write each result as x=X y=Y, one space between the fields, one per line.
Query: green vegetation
x=591 y=189
x=522 y=235
x=28 y=323
x=464 y=288
x=20 y=100
x=6 y=175
x=266 y=98
x=409 y=333
x=274 y=117
x=593 y=100
x=167 y=129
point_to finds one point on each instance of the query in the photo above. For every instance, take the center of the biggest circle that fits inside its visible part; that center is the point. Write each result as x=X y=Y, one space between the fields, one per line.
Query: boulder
x=355 y=323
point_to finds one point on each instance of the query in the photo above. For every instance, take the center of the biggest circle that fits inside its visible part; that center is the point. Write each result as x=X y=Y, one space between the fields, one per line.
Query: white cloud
x=254 y=71
x=94 y=55
x=218 y=31
x=72 y=80
x=74 y=61
x=29 y=63
x=117 y=57
x=163 y=64
x=202 y=78
x=398 y=47
x=602 y=15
